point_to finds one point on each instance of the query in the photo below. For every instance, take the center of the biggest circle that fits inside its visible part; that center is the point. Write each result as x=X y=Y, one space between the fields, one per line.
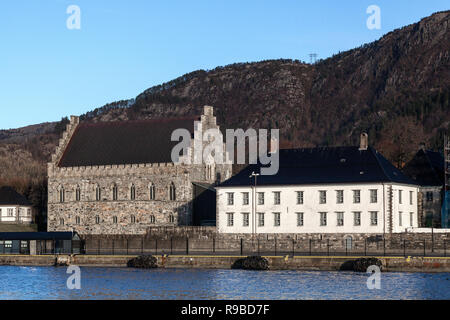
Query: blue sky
x=124 y=47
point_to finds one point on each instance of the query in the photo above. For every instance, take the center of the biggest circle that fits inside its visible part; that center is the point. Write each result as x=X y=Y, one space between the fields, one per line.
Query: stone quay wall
x=205 y=240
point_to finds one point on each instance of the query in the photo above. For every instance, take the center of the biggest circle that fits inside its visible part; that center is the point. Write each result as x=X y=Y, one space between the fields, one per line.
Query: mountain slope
x=397 y=89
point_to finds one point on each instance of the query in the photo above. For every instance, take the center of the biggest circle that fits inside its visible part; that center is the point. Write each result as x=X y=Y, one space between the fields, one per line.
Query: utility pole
x=445 y=202
x=255 y=175
x=313 y=57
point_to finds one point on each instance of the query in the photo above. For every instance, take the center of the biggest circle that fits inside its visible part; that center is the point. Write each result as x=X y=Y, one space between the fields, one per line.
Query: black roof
x=123 y=142
x=36 y=235
x=426 y=168
x=9 y=196
x=324 y=165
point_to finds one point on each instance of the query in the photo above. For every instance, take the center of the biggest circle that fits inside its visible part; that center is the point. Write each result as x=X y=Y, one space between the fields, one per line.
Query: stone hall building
x=118 y=177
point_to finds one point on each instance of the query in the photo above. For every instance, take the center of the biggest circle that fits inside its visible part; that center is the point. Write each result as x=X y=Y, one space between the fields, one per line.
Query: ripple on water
x=125 y=283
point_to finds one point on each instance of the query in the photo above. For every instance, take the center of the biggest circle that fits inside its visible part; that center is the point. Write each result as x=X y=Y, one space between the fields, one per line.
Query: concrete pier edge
x=305 y=263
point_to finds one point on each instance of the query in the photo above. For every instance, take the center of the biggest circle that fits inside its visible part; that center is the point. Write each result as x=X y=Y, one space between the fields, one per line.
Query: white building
x=320 y=190
x=14 y=207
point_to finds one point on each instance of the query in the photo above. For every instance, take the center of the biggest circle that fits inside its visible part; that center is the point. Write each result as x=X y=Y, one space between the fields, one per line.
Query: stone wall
x=123 y=214
x=204 y=240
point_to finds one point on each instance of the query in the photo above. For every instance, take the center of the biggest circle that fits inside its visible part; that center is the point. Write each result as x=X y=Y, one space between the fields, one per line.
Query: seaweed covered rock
x=251 y=263
x=144 y=262
x=361 y=264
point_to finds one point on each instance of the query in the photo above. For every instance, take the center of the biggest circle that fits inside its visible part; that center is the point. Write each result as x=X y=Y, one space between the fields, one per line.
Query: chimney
x=364 y=141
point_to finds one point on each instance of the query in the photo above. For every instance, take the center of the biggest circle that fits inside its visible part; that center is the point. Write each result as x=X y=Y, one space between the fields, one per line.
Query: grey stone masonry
x=126 y=199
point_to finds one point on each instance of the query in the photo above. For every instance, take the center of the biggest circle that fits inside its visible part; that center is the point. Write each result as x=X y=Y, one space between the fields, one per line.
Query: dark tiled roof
x=9 y=196
x=426 y=168
x=124 y=142
x=36 y=235
x=330 y=165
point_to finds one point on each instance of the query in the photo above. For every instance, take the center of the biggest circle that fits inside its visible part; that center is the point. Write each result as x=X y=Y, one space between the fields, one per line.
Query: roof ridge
x=154 y=120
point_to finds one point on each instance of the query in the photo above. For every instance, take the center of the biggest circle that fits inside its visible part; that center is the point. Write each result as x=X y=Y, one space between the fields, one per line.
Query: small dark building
x=427 y=169
x=40 y=243
x=204 y=206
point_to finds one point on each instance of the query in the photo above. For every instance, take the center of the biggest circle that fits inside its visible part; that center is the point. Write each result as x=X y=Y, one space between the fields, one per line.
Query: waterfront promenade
x=310 y=263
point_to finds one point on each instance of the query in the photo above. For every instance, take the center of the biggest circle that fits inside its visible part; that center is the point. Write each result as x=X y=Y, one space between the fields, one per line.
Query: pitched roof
x=123 y=142
x=426 y=168
x=59 y=235
x=9 y=196
x=328 y=165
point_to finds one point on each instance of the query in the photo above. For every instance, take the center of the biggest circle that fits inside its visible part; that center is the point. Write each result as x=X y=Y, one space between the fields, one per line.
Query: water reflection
x=123 y=283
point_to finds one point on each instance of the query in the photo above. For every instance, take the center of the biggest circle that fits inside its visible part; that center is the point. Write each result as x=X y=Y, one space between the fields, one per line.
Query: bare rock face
x=143 y=262
x=361 y=264
x=251 y=263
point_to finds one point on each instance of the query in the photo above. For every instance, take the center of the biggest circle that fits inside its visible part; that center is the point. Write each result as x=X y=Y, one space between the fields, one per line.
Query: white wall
x=23 y=214
x=311 y=208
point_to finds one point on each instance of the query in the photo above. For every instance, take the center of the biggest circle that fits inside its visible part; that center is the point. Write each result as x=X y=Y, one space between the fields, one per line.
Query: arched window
x=115 y=192
x=171 y=218
x=133 y=219
x=132 y=192
x=348 y=242
x=61 y=222
x=114 y=219
x=152 y=191
x=172 y=193
x=152 y=219
x=98 y=193
x=61 y=194
x=78 y=194
x=210 y=172
x=77 y=220
x=97 y=219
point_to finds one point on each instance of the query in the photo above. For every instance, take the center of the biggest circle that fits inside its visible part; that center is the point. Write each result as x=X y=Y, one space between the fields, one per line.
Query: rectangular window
x=28 y=212
x=245 y=219
x=400 y=218
x=411 y=194
x=260 y=198
x=261 y=219
x=78 y=194
x=245 y=198
x=357 y=218
x=299 y=197
x=411 y=219
x=323 y=218
x=356 y=196
x=373 y=196
x=339 y=196
x=340 y=218
x=230 y=219
x=299 y=219
x=276 y=219
x=429 y=196
x=10 y=212
x=373 y=218
x=400 y=196
x=276 y=197
x=322 y=196
x=230 y=198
